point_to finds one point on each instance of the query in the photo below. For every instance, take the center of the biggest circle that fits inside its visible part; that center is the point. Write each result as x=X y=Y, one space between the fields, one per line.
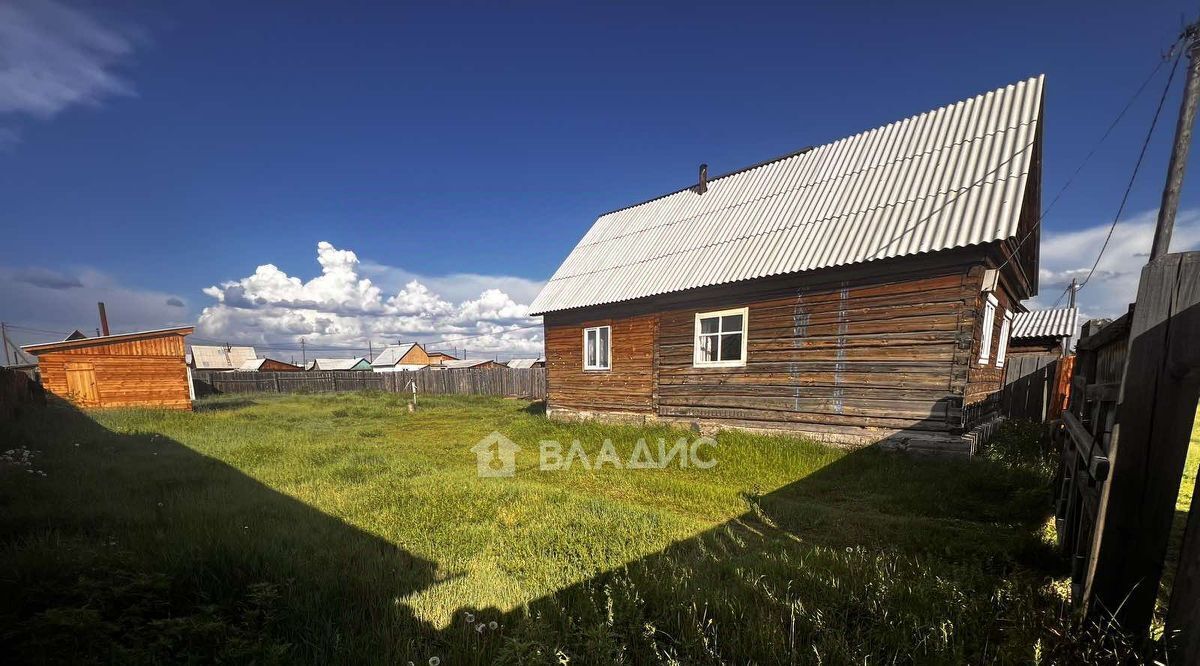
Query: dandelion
x=470 y=617
x=493 y=625
x=160 y=503
x=480 y=627
x=434 y=661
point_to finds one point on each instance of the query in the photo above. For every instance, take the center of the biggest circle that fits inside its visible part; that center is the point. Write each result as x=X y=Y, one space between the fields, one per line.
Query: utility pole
x=370 y=351
x=4 y=334
x=303 y=353
x=1071 y=296
x=1183 y=143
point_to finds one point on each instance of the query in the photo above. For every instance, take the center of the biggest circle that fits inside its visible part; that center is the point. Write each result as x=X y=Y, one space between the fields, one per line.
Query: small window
x=721 y=338
x=597 y=348
x=985 y=335
x=1005 y=329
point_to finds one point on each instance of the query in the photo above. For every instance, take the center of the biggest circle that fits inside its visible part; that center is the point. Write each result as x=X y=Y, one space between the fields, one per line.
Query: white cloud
x=343 y=308
x=53 y=56
x=1113 y=287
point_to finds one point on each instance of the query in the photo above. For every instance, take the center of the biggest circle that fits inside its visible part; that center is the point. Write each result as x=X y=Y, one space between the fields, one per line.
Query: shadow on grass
x=223 y=404
x=535 y=408
x=875 y=557
x=152 y=552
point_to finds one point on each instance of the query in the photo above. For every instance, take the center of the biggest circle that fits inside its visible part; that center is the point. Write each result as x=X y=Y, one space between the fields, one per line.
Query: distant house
x=396 y=358
x=527 y=363
x=144 y=369
x=437 y=358
x=468 y=364
x=1043 y=332
x=220 y=358
x=267 y=365
x=340 y=364
x=854 y=292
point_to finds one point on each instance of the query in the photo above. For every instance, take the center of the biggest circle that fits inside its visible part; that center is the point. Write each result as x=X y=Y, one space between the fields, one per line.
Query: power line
x=1136 y=167
x=1070 y=180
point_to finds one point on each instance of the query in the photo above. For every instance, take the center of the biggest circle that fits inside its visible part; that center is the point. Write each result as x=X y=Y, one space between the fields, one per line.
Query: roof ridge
x=811 y=148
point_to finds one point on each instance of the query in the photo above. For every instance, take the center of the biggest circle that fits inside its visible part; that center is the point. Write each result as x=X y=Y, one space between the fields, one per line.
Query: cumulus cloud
x=344 y=307
x=53 y=56
x=1067 y=255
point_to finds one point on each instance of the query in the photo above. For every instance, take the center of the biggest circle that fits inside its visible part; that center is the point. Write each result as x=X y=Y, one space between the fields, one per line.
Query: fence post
x=1149 y=444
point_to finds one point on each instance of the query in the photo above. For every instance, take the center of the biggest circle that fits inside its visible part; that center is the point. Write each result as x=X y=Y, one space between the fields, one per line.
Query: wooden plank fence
x=509 y=382
x=1124 y=441
x=1035 y=386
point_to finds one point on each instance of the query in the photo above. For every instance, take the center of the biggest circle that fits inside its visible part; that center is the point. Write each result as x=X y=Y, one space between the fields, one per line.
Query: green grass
x=341 y=528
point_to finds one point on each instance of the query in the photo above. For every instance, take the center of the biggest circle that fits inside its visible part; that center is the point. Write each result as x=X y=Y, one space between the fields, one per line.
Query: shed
x=395 y=358
x=1043 y=332
x=267 y=365
x=854 y=292
x=341 y=364
x=526 y=363
x=144 y=369
x=220 y=357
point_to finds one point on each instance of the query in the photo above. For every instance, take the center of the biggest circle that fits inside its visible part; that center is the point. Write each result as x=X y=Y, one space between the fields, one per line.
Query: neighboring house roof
x=106 y=339
x=525 y=362
x=221 y=358
x=441 y=354
x=1059 y=323
x=948 y=178
x=392 y=354
x=252 y=364
x=75 y=335
x=339 y=363
x=465 y=363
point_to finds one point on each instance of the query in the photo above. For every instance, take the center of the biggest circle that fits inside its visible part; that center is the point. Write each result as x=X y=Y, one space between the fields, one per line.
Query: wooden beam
x=1149 y=444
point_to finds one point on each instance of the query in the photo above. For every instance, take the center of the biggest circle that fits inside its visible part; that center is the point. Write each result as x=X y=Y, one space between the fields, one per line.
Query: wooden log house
x=861 y=291
x=145 y=369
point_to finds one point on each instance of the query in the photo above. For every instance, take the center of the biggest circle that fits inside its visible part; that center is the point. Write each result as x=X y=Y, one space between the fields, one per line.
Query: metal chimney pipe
x=103 y=320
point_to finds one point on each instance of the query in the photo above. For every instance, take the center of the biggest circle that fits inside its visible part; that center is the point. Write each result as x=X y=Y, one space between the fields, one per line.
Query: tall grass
x=342 y=528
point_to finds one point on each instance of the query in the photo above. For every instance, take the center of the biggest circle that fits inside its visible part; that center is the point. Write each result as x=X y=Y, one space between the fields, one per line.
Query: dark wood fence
x=512 y=382
x=18 y=393
x=1124 y=441
x=1035 y=386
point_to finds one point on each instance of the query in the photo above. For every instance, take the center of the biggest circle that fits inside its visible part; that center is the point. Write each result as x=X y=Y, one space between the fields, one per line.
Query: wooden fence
x=18 y=393
x=1124 y=440
x=512 y=382
x=1035 y=386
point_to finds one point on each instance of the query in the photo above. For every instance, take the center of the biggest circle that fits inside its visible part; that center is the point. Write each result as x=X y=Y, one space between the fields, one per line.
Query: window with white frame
x=721 y=338
x=985 y=334
x=1005 y=331
x=597 y=348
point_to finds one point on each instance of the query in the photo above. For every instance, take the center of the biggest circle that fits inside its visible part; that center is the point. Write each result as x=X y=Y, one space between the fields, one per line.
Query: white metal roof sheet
x=391 y=355
x=221 y=358
x=947 y=178
x=1045 y=323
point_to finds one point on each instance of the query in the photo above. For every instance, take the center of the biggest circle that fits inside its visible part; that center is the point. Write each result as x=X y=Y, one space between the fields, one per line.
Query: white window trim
x=1005 y=332
x=697 y=362
x=985 y=334
x=585 y=348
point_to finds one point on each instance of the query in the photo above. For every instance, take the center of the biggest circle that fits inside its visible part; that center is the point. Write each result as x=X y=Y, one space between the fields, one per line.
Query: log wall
x=853 y=355
x=147 y=372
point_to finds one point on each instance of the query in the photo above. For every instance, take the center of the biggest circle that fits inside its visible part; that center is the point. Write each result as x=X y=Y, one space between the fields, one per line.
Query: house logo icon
x=495 y=456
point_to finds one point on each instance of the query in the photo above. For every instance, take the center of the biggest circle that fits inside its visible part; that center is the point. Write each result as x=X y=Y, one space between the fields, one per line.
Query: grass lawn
x=341 y=528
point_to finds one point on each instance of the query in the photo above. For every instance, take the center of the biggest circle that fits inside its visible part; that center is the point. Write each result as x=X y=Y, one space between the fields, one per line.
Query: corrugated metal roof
x=220 y=358
x=251 y=364
x=1045 y=323
x=525 y=362
x=340 y=363
x=457 y=364
x=947 y=178
x=391 y=355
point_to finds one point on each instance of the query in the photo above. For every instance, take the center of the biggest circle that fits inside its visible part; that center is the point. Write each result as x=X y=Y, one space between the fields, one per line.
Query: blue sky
x=187 y=144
